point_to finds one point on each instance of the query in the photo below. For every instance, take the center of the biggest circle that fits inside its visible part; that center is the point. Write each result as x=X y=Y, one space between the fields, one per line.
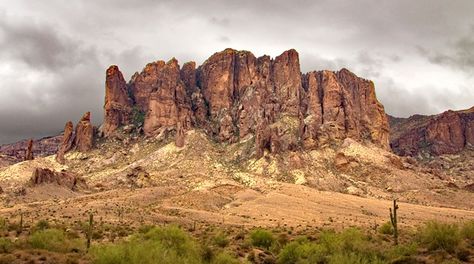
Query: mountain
x=242 y=121
x=233 y=96
x=447 y=133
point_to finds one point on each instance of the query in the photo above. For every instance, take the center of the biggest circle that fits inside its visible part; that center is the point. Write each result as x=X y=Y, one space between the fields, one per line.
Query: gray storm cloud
x=53 y=53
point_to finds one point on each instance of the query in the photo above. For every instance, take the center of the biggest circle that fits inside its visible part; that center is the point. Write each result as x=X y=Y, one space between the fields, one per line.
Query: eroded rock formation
x=67 y=142
x=233 y=95
x=118 y=104
x=29 y=150
x=81 y=139
x=84 y=138
x=45 y=175
x=446 y=133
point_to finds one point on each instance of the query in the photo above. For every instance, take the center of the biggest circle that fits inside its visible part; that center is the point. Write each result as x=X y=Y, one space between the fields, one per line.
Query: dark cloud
x=39 y=45
x=459 y=55
x=53 y=56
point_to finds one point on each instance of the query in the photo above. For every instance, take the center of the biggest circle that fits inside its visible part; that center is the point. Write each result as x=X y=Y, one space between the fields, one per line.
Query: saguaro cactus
x=20 y=226
x=89 y=231
x=394 y=220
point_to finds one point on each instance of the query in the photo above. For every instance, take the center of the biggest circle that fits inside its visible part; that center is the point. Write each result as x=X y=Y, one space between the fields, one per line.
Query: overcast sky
x=53 y=53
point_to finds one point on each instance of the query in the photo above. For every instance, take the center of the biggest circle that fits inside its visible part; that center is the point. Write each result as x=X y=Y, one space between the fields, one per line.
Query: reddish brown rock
x=340 y=105
x=217 y=81
x=233 y=95
x=45 y=176
x=29 y=150
x=67 y=142
x=180 y=134
x=84 y=134
x=188 y=76
x=117 y=102
x=145 y=83
x=446 y=133
x=287 y=78
x=168 y=102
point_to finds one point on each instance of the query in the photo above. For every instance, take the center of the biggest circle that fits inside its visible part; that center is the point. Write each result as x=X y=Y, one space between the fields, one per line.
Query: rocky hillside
x=234 y=96
x=448 y=133
x=16 y=152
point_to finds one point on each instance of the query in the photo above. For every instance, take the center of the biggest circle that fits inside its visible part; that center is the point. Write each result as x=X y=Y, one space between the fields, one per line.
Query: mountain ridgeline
x=234 y=95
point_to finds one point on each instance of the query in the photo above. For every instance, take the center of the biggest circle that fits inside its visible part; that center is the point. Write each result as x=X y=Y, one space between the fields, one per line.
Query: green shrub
x=224 y=258
x=3 y=224
x=138 y=116
x=174 y=238
x=400 y=252
x=301 y=252
x=145 y=228
x=348 y=240
x=262 y=238
x=354 y=258
x=42 y=225
x=349 y=246
x=6 y=245
x=221 y=240
x=52 y=240
x=168 y=245
x=386 y=228
x=467 y=231
x=435 y=235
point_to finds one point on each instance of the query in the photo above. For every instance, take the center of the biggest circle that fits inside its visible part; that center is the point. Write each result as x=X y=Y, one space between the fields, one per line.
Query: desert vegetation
x=44 y=242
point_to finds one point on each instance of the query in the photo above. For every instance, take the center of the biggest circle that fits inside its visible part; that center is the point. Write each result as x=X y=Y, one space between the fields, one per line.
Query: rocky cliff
x=234 y=95
x=446 y=133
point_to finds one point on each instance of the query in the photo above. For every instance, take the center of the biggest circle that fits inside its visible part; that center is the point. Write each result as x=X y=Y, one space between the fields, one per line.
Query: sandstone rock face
x=168 y=102
x=45 y=175
x=144 y=83
x=339 y=105
x=29 y=150
x=81 y=139
x=234 y=95
x=446 y=133
x=84 y=135
x=67 y=142
x=117 y=101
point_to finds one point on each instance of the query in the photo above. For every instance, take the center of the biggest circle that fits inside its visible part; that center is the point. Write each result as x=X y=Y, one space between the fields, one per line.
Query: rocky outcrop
x=446 y=133
x=84 y=134
x=168 y=101
x=339 y=105
x=29 y=150
x=80 y=139
x=234 y=95
x=44 y=176
x=118 y=104
x=67 y=142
